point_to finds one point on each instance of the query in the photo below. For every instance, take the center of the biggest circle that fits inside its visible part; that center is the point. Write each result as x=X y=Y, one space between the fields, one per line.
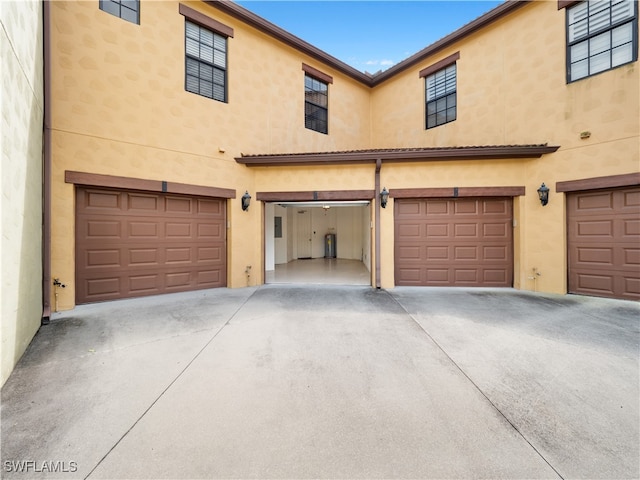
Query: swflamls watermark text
x=34 y=466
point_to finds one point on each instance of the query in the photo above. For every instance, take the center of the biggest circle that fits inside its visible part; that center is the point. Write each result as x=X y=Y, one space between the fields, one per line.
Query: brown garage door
x=454 y=242
x=604 y=242
x=131 y=244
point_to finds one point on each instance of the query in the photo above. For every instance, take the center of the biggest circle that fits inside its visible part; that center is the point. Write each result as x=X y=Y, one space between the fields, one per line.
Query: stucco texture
x=22 y=107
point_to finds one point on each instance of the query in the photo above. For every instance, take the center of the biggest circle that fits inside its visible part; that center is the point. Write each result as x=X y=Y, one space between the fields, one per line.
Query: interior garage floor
x=321 y=271
x=329 y=382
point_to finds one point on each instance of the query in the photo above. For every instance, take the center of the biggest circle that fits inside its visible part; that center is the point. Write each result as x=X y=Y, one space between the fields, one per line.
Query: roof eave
x=250 y=18
x=492 y=15
x=397 y=156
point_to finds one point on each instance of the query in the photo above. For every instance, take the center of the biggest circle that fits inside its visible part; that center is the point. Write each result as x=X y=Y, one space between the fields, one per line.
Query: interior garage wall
x=350 y=224
x=21 y=118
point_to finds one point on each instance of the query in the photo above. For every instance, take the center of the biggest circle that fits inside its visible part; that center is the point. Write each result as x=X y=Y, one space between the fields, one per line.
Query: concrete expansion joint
x=475 y=385
x=172 y=382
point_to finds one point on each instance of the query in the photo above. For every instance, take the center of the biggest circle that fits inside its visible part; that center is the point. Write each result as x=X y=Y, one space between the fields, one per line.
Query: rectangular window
x=206 y=62
x=316 y=104
x=601 y=35
x=441 y=96
x=128 y=10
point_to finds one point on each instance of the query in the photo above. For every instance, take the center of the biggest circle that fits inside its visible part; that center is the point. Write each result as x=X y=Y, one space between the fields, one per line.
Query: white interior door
x=303 y=233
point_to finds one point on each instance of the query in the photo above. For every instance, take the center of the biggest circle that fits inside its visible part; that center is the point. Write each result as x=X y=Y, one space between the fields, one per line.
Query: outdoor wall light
x=246 y=200
x=543 y=194
x=384 y=197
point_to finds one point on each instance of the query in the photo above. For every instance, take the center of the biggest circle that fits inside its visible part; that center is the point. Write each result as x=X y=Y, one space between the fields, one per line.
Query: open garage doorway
x=318 y=243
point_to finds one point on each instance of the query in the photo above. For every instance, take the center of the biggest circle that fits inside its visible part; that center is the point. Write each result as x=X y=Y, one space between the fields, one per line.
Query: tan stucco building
x=164 y=113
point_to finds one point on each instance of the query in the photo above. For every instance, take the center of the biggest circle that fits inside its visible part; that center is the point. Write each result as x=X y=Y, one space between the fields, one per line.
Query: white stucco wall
x=22 y=108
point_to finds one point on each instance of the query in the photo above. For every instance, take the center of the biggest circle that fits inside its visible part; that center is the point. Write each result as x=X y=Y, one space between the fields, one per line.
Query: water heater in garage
x=330 y=245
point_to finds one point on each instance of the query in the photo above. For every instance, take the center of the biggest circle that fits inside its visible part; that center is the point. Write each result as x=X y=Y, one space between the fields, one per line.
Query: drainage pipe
x=377 y=202
x=46 y=167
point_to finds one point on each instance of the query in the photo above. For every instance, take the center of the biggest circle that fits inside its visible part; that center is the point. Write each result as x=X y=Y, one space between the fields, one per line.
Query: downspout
x=377 y=200
x=46 y=168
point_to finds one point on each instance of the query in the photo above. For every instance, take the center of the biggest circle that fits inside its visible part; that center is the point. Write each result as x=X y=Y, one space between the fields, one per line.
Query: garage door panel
x=497 y=207
x=466 y=230
x=594 y=202
x=631 y=227
x=465 y=253
x=148 y=204
x=603 y=242
x=465 y=276
x=102 y=200
x=182 y=229
x=211 y=207
x=631 y=257
x=498 y=230
x=108 y=287
x=101 y=229
x=463 y=242
x=137 y=250
x=209 y=230
x=146 y=230
x=632 y=285
x=143 y=257
x=178 y=205
x=437 y=230
x=631 y=200
x=410 y=230
x=103 y=258
x=434 y=207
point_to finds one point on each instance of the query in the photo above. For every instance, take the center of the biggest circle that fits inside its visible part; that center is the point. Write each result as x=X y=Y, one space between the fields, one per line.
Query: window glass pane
x=451 y=101
x=206 y=37
x=578 y=13
x=451 y=114
x=193 y=47
x=206 y=53
x=192 y=84
x=218 y=93
x=579 y=51
x=621 y=10
x=220 y=43
x=431 y=121
x=206 y=72
x=206 y=88
x=193 y=31
x=599 y=20
x=431 y=108
x=192 y=67
x=622 y=34
x=220 y=59
x=580 y=69
x=599 y=63
x=441 y=105
x=441 y=118
x=600 y=43
x=621 y=55
x=578 y=30
x=129 y=15
x=130 y=4
x=110 y=7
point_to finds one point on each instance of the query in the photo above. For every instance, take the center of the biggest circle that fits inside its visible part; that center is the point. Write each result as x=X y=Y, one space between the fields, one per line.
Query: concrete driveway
x=330 y=382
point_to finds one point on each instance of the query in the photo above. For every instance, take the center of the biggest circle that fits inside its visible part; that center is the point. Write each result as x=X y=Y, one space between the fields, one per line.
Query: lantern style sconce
x=246 y=200
x=384 y=197
x=543 y=194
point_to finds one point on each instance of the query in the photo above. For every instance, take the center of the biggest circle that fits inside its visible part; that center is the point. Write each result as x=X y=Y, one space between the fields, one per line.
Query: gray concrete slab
x=319 y=382
x=562 y=368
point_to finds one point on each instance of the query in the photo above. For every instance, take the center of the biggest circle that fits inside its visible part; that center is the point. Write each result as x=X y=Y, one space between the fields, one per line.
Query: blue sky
x=370 y=35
